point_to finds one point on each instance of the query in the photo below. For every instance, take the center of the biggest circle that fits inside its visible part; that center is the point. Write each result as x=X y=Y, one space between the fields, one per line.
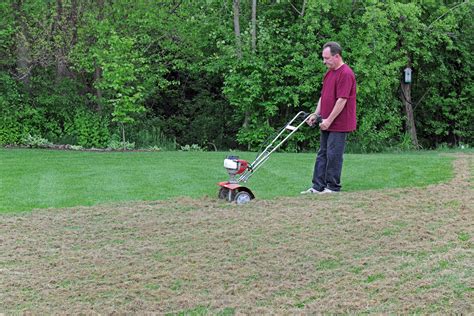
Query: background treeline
x=224 y=74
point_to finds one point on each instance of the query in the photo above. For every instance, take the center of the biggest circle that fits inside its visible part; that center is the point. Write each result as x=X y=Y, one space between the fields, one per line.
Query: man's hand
x=312 y=119
x=338 y=107
x=324 y=125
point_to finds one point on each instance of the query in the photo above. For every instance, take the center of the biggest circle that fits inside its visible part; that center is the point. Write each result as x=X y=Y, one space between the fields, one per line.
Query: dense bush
x=89 y=129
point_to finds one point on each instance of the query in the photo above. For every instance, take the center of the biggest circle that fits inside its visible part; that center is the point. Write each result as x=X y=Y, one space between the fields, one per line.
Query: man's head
x=332 y=55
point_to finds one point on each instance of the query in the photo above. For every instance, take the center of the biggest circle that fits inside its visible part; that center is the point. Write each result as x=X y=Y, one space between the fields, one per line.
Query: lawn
x=392 y=243
x=51 y=179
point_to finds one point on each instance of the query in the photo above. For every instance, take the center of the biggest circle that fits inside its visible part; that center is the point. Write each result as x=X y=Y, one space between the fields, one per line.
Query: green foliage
x=255 y=136
x=193 y=147
x=35 y=141
x=116 y=144
x=17 y=118
x=76 y=147
x=268 y=86
x=89 y=129
x=7 y=33
x=377 y=62
x=463 y=236
x=10 y=129
x=445 y=114
x=167 y=73
x=57 y=104
x=120 y=65
x=154 y=148
x=146 y=136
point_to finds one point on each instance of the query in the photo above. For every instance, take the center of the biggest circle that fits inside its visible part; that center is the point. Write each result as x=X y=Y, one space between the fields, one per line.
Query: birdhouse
x=407 y=76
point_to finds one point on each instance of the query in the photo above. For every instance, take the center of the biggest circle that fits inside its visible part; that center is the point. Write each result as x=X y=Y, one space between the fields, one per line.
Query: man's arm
x=312 y=118
x=338 y=107
x=318 y=108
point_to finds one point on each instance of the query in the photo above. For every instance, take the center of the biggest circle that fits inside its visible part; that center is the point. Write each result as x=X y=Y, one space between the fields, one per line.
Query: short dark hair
x=334 y=47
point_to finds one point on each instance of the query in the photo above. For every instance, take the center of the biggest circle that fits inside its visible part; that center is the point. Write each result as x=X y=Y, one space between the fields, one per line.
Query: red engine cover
x=243 y=166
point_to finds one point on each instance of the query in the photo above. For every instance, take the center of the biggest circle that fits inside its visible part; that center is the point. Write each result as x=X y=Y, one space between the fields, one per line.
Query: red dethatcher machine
x=240 y=170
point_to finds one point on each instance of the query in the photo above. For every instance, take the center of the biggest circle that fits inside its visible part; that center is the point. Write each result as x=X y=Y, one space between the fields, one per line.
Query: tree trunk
x=59 y=32
x=238 y=48
x=303 y=8
x=97 y=68
x=23 y=58
x=410 y=123
x=64 y=36
x=254 y=50
x=254 y=26
x=74 y=17
x=238 y=42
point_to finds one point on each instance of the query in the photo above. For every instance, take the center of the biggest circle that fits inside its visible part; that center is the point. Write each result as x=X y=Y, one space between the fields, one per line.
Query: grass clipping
x=391 y=251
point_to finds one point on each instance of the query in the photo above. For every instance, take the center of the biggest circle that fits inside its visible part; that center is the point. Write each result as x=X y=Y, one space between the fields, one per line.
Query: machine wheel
x=223 y=193
x=242 y=197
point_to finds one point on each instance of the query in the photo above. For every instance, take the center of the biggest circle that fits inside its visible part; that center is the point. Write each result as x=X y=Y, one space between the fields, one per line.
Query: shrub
x=193 y=147
x=115 y=144
x=35 y=141
x=153 y=136
x=89 y=129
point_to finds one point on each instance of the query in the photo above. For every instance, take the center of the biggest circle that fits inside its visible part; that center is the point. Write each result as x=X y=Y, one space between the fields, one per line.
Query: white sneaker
x=311 y=191
x=326 y=191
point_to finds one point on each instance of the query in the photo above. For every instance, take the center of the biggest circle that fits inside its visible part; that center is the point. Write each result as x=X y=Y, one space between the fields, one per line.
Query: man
x=337 y=108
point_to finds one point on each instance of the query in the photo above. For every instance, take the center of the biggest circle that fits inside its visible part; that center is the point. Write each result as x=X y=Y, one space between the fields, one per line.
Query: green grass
x=43 y=178
x=202 y=311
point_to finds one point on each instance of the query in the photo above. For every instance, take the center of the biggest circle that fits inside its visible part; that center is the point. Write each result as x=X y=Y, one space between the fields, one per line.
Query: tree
x=121 y=66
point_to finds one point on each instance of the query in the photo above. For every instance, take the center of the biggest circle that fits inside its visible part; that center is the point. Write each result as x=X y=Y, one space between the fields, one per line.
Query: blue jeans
x=328 y=166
